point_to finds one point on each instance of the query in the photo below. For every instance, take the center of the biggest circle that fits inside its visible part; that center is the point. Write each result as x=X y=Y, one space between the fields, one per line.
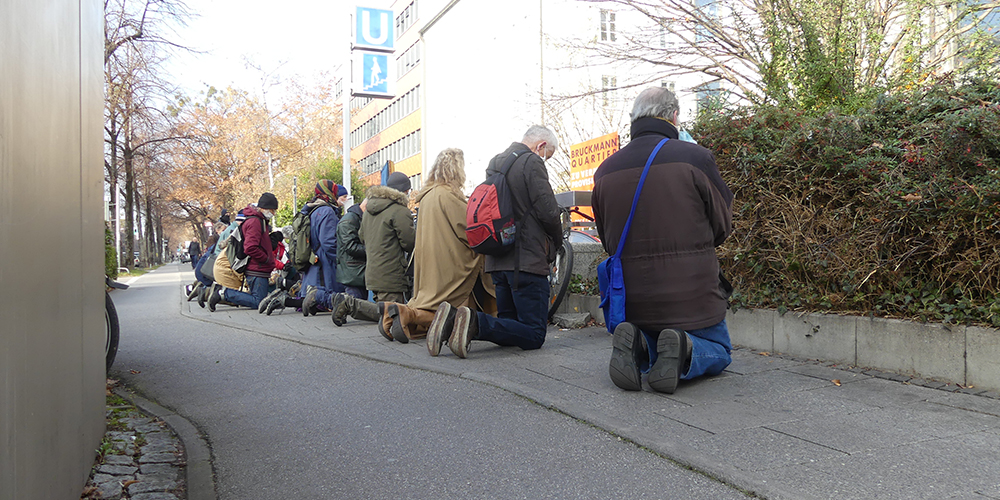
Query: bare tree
x=805 y=53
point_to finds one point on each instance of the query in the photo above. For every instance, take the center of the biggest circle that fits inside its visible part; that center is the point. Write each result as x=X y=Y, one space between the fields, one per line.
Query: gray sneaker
x=309 y=302
x=277 y=302
x=214 y=296
x=341 y=309
x=267 y=300
x=466 y=329
x=441 y=327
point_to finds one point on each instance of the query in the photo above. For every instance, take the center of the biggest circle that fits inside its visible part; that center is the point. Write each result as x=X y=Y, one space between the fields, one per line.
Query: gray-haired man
x=521 y=275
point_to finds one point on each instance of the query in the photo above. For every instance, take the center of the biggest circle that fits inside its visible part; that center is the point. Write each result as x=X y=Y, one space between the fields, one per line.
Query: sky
x=294 y=37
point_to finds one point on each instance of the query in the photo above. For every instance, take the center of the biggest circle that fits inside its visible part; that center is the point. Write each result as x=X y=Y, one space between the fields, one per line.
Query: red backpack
x=489 y=220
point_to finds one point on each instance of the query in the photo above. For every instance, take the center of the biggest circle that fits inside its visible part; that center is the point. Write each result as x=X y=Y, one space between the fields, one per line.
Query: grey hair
x=539 y=133
x=656 y=102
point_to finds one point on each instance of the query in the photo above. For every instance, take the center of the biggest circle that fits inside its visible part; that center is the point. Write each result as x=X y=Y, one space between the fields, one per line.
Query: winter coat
x=445 y=267
x=323 y=239
x=388 y=235
x=685 y=210
x=223 y=272
x=224 y=235
x=257 y=243
x=539 y=234
x=351 y=251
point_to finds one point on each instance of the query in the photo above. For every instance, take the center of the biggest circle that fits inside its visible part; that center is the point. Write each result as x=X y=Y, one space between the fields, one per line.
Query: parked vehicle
x=111 y=322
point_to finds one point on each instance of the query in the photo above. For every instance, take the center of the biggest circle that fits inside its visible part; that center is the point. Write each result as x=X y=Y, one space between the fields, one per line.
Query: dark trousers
x=522 y=314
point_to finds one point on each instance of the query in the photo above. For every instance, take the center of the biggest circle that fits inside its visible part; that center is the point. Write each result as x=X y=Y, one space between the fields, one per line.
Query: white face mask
x=268 y=213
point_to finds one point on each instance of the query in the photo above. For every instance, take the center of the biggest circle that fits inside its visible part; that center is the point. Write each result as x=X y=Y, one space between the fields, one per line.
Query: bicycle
x=561 y=269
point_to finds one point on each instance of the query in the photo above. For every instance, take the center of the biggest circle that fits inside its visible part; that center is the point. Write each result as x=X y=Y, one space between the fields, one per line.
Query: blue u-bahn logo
x=373 y=29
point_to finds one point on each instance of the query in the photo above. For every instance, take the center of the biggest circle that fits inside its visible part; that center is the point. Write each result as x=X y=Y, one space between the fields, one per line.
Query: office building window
x=406 y=18
x=708 y=96
x=397 y=151
x=607 y=26
x=608 y=85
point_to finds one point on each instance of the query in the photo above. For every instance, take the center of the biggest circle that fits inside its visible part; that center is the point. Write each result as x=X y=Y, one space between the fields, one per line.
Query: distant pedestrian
x=194 y=251
x=675 y=294
x=520 y=275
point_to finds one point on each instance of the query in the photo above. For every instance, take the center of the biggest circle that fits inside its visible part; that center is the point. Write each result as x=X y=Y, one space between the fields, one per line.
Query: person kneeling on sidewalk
x=676 y=296
x=257 y=245
x=447 y=272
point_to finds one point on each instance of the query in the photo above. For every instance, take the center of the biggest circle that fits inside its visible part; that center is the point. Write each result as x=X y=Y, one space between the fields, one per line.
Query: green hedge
x=890 y=211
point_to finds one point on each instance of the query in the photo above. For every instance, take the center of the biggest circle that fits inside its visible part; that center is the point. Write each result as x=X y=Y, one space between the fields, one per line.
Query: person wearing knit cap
x=389 y=236
x=255 y=230
x=319 y=282
x=399 y=181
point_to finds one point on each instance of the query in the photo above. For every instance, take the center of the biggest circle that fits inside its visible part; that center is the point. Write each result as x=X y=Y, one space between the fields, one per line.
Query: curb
x=200 y=479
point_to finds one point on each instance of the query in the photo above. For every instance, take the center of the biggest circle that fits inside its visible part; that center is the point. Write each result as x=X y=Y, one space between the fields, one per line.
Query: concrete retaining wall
x=949 y=353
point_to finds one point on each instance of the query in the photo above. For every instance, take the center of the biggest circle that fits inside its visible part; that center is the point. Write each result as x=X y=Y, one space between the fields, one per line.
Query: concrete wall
x=949 y=353
x=51 y=246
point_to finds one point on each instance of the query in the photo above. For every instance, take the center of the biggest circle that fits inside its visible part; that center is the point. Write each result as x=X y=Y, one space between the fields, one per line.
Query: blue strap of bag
x=635 y=200
x=610 y=278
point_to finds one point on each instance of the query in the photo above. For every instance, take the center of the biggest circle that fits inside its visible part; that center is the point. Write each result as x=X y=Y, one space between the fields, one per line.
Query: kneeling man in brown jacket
x=675 y=298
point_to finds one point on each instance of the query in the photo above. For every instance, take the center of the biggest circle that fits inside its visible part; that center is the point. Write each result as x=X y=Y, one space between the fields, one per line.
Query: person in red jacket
x=256 y=231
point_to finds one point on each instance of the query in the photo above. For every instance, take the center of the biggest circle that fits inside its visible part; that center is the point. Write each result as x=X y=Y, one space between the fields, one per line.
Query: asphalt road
x=285 y=420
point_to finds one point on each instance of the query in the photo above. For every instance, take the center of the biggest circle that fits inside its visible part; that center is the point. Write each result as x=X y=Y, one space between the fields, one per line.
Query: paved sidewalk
x=780 y=427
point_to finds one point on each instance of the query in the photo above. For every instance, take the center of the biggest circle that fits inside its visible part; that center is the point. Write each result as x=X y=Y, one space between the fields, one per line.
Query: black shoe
x=626 y=349
x=671 y=351
x=466 y=328
x=203 y=295
x=214 y=297
x=441 y=327
x=309 y=304
x=338 y=305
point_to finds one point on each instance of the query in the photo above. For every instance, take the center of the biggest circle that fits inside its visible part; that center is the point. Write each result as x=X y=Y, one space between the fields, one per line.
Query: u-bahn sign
x=373 y=29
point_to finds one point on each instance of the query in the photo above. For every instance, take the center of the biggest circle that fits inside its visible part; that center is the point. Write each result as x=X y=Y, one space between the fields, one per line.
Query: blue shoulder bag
x=610 y=280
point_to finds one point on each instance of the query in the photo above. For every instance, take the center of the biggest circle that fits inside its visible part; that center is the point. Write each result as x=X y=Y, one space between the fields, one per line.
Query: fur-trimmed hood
x=382 y=197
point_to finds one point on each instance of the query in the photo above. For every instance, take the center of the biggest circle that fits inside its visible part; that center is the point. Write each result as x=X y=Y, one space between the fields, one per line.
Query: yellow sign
x=586 y=156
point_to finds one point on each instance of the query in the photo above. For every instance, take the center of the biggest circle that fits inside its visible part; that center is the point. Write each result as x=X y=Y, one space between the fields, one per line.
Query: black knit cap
x=268 y=201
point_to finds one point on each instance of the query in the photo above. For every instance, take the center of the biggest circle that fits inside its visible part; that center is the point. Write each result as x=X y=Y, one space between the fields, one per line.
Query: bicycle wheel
x=559 y=276
x=111 y=322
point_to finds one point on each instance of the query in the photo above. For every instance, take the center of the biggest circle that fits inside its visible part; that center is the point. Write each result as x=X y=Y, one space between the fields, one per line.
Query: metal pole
x=346 y=181
x=118 y=229
x=295 y=192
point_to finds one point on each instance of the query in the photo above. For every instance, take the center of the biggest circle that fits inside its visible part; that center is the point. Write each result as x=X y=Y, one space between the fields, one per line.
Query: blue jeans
x=522 y=314
x=197 y=270
x=259 y=288
x=356 y=292
x=710 y=349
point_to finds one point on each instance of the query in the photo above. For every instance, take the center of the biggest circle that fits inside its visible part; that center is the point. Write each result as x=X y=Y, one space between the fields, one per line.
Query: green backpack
x=300 y=252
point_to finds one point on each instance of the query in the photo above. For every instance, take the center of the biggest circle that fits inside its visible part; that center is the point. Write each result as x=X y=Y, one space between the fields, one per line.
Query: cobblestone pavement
x=141 y=458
